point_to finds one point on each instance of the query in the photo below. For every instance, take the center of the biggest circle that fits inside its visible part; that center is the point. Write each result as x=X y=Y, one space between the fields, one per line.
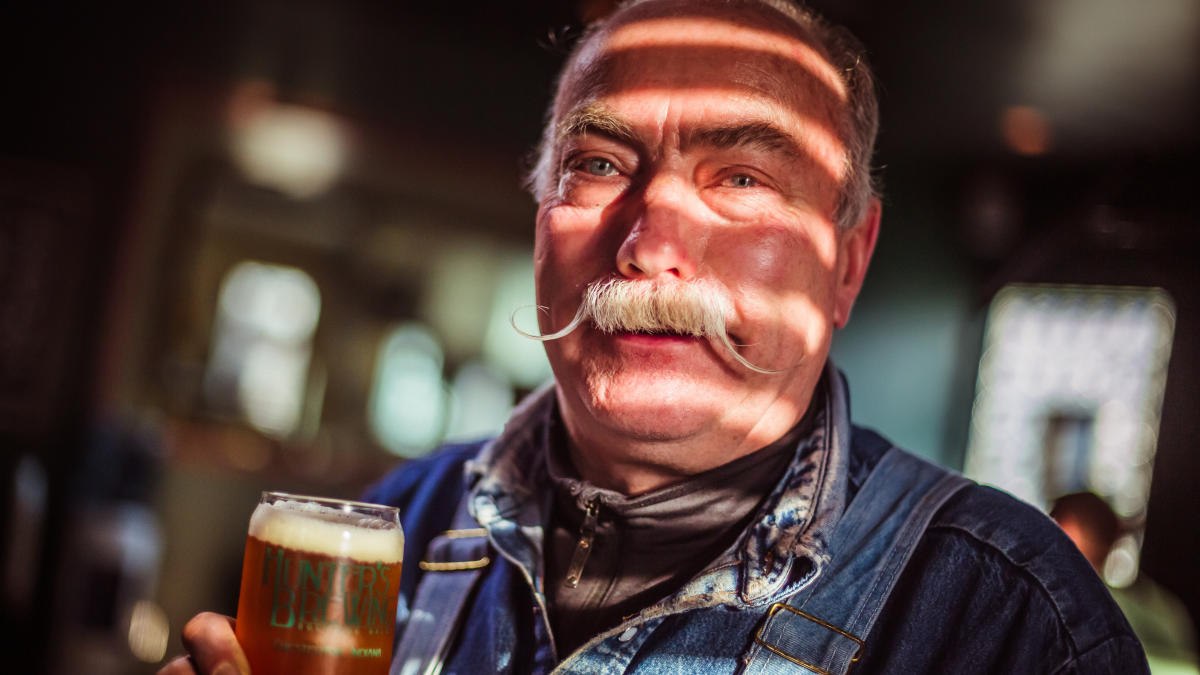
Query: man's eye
x=741 y=180
x=598 y=166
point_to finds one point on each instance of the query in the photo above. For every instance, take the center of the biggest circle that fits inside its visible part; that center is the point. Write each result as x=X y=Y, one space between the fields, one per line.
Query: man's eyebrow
x=595 y=119
x=756 y=134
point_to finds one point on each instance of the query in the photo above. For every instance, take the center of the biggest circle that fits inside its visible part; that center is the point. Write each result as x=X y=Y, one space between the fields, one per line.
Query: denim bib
x=818 y=628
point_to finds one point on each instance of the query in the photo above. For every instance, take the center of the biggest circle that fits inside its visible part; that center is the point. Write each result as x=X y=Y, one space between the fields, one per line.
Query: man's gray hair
x=857 y=127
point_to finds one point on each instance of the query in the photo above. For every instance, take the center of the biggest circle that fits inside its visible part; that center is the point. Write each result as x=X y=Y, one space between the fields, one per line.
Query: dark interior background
x=1022 y=141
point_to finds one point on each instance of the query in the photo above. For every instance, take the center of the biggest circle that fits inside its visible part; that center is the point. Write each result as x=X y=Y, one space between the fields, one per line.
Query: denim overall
x=797 y=593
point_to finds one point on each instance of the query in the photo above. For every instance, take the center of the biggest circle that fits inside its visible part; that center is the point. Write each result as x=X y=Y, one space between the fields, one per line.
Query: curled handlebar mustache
x=693 y=308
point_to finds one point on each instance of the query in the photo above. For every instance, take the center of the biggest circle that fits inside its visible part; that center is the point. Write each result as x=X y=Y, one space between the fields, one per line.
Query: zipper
x=583 y=547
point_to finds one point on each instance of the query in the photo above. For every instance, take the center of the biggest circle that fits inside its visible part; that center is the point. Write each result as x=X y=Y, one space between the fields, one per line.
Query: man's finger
x=214 y=649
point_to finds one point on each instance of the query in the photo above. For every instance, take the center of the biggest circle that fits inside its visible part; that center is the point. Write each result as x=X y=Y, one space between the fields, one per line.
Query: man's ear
x=855 y=247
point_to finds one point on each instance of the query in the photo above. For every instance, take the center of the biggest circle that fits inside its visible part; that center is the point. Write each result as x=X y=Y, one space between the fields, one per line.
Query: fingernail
x=226 y=669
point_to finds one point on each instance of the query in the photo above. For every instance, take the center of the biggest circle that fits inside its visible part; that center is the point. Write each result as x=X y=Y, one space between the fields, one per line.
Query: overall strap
x=454 y=562
x=822 y=628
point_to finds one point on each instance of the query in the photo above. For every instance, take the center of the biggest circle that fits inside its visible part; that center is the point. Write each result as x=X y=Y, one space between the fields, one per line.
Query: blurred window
x=408 y=406
x=1069 y=396
x=262 y=344
x=521 y=360
x=481 y=399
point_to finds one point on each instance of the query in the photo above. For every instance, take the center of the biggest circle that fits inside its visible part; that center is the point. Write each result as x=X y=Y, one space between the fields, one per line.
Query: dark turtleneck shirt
x=647 y=546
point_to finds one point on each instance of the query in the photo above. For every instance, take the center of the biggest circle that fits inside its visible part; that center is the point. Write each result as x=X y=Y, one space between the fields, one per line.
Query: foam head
x=317 y=528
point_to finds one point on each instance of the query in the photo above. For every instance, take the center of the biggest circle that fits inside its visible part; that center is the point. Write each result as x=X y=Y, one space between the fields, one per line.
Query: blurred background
x=276 y=245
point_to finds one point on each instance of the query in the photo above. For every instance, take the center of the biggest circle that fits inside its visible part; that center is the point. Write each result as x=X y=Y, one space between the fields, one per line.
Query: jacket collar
x=788 y=545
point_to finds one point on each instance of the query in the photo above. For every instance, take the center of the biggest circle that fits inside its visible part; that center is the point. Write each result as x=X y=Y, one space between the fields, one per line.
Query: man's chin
x=656 y=426
x=659 y=406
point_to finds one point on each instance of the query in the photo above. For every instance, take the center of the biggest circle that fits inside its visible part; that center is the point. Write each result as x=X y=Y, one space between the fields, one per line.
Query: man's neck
x=634 y=466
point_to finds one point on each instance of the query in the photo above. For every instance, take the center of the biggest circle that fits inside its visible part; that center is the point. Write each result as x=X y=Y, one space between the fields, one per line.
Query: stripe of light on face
x=677 y=32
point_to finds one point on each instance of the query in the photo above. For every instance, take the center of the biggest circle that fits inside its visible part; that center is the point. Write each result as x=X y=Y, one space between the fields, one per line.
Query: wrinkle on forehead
x=697 y=32
x=698 y=64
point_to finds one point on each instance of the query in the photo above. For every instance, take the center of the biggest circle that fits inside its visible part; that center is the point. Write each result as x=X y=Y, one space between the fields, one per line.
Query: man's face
x=699 y=145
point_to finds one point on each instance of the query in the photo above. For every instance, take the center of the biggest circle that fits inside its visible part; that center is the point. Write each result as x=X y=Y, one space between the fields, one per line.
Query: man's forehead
x=690 y=47
x=732 y=74
x=743 y=35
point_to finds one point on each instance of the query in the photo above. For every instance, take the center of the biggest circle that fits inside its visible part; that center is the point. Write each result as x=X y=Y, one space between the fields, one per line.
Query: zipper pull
x=587 y=531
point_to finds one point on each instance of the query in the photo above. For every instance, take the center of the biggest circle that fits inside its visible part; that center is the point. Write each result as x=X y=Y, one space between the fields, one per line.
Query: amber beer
x=319 y=584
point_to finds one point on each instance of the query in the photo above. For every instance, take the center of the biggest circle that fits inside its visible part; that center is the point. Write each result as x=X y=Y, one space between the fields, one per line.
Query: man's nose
x=666 y=236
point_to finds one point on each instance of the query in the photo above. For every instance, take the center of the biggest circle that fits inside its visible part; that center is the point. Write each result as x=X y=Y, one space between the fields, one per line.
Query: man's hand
x=212 y=648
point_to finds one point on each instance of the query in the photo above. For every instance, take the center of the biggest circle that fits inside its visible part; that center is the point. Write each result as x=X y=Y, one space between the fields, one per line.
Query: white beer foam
x=308 y=526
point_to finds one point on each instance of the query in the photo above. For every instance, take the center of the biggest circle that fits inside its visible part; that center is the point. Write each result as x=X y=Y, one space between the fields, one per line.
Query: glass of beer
x=320 y=580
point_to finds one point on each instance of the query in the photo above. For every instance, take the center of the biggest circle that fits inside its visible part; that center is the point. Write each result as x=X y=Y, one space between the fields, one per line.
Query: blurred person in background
x=689 y=494
x=1158 y=617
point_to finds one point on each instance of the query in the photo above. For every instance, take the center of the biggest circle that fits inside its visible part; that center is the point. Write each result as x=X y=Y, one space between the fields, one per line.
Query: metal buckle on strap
x=758 y=637
x=454 y=566
x=429 y=566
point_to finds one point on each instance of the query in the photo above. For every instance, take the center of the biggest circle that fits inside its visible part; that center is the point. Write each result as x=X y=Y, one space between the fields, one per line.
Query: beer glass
x=320 y=580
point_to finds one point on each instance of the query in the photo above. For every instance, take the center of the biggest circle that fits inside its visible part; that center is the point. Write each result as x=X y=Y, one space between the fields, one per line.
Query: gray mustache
x=692 y=308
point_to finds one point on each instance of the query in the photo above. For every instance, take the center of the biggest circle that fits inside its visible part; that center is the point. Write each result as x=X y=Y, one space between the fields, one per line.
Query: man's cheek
x=763 y=259
x=576 y=246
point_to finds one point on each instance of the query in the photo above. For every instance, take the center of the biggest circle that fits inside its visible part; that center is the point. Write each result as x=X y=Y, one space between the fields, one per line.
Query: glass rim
x=334 y=502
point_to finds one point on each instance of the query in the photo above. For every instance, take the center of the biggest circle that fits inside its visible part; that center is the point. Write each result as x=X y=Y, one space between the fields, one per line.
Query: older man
x=689 y=496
